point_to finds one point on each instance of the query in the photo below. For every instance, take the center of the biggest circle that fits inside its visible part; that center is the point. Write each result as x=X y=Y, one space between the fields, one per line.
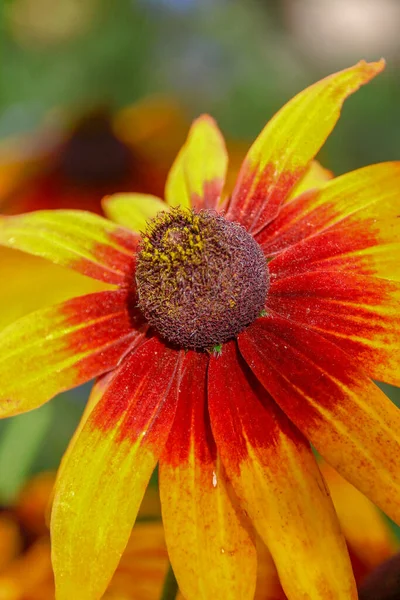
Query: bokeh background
x=151 y=66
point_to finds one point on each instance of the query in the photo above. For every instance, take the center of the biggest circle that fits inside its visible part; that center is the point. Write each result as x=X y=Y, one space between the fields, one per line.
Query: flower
x=274 y=308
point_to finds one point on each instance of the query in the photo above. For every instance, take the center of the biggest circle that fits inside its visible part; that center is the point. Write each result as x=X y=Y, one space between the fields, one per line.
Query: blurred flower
x=229 y=342
x=25 y=569
x=74 y=167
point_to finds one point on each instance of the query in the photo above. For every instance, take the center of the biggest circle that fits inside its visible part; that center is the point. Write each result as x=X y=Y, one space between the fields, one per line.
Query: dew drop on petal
x=214 y=479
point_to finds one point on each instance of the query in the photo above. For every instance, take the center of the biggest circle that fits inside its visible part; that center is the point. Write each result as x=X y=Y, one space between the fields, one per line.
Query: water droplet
x=214 y=479
x=222 y=551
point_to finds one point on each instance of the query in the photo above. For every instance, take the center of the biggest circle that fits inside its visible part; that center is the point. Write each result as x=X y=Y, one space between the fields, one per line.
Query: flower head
x=235 y=331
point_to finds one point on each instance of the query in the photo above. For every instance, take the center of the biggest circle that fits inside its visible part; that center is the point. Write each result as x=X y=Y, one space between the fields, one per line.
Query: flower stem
x=170 y=588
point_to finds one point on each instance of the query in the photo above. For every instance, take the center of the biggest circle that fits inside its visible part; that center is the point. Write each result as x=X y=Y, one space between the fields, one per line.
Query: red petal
x=276 y=477
x=347 y=418
x=359 y=197
x=280 y=155
x=57 y=348
x=75 y=239
x=105 y=473
x=210 y=547
x=360 y=314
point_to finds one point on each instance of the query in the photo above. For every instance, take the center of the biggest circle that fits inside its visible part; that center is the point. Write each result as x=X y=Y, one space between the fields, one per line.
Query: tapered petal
x=198 y=174
x=105 y=476
x=132 y=210
x=76 y=239
x=366 y=531
x=360 y=314
x=356 y=198
x=276 y=477
x=211 y=551
x=280 y=155
x=57 y=348
x=352 y=424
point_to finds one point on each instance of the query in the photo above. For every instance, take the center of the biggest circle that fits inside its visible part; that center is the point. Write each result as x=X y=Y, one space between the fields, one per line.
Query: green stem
x=170 y=588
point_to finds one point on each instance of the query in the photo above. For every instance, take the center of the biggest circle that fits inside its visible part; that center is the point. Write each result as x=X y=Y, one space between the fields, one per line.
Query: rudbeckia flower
x=232 y=335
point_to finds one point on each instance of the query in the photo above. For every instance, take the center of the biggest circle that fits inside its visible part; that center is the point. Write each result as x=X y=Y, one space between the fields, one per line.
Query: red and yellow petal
x=352 y=424
x=197 y=176
x=279 y=157
x=57 y=348
x=104 y=478
x=356 y=198
x=314 y=177
x=366 y=249
x=132 y=210
x=275 y=475
x=211 y=550
x=79 y=240
x=359 y=314
x=367 y=534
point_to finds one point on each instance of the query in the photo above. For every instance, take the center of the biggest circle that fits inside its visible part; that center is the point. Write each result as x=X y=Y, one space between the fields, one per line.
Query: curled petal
x=197 y=176
x=209 y=544
x=280 y=155
x=76 y=239
x=104 y=477
x=275 y=475
x=351 y=423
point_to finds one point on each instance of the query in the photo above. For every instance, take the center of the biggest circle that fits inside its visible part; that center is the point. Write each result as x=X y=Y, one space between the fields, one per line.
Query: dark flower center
x=201 y=279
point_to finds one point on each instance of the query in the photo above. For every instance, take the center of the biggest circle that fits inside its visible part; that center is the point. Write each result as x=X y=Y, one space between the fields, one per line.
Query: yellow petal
x=132 y=210
x=197 y=176
x=104 y=478
x=210 y=547
x=280 y=155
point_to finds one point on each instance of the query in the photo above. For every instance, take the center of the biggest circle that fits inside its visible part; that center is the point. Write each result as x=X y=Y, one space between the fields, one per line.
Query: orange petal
x=132 y=210
x=76 y=239
x=351 y=423
x=359 y=314
x=197 y=176
x=280 y=155
x=211 y=551
x=57 y=348
x=105 y=476
x=275 y=475
x=358 y=199
x=364 y=527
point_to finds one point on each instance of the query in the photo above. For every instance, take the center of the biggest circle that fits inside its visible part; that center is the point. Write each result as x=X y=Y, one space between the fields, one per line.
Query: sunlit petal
x=280 y=155
x=57 y=348
x=76 y=239
x=198 y=174
x=210 y=548
x=276 y=477
x=132 y=210
x=360 y=314
x=352 y=424
x=105 y=476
